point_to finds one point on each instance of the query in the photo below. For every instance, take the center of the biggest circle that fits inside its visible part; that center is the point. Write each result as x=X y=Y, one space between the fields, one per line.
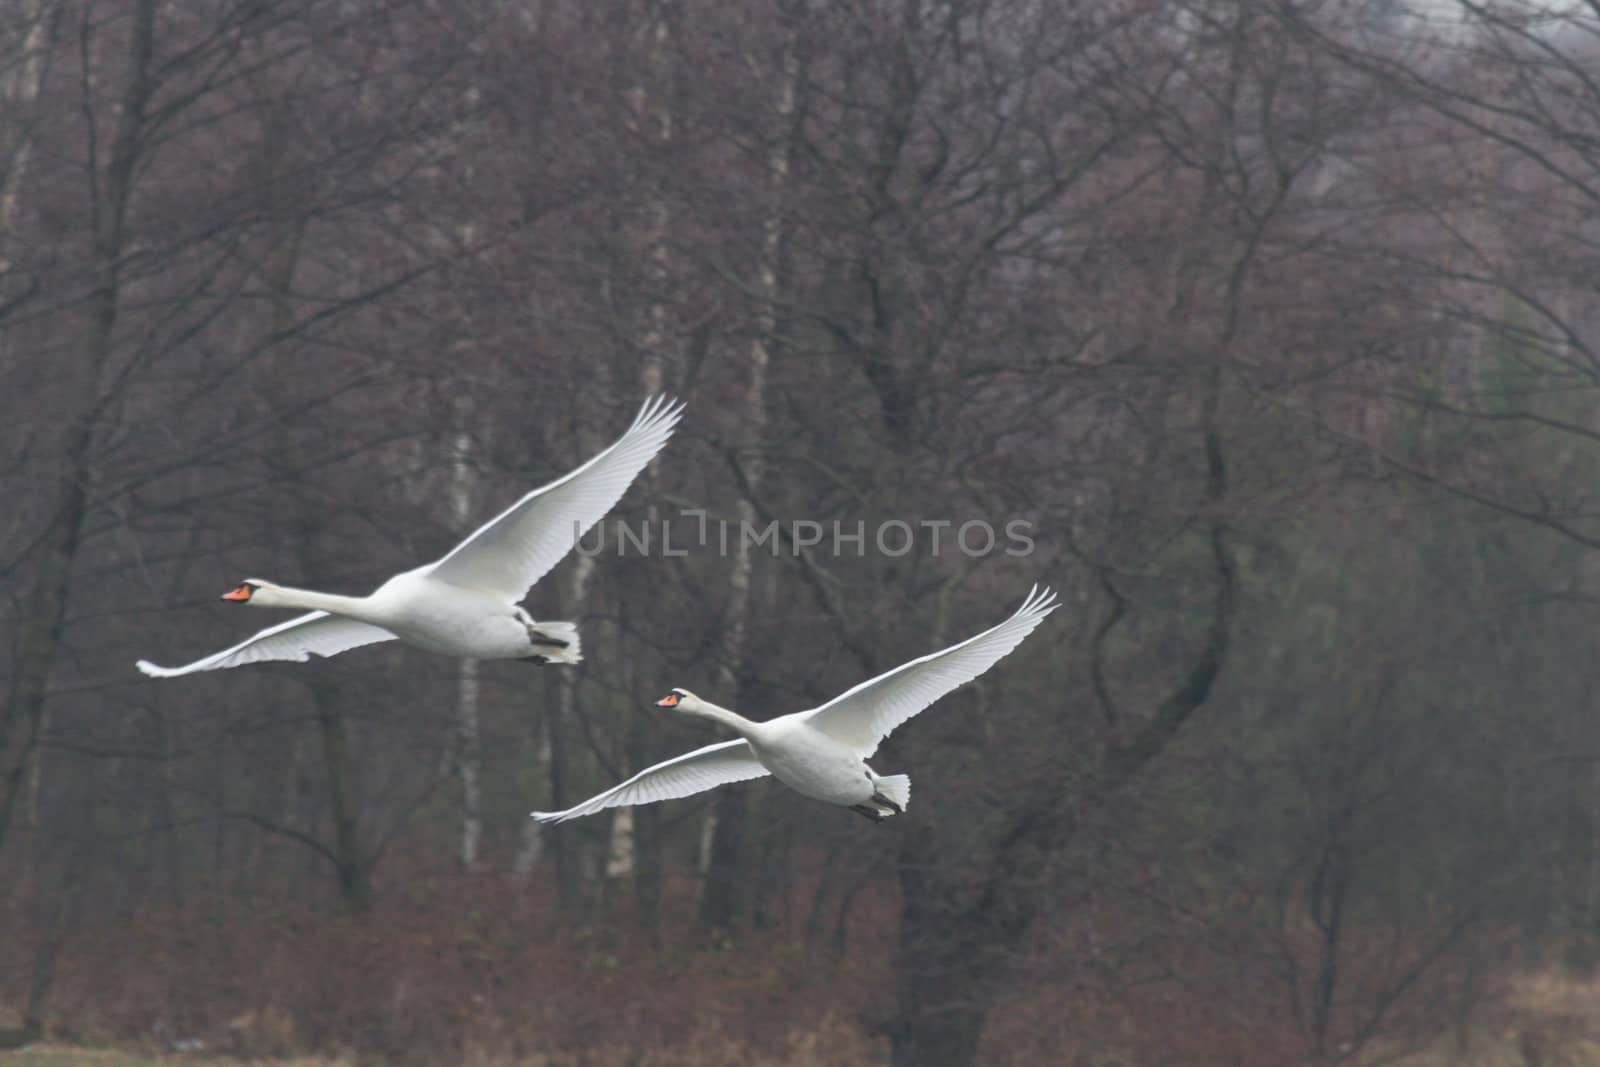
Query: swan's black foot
x=539 y=637
x=537 y=661
x=879 y=798
x=866 y=811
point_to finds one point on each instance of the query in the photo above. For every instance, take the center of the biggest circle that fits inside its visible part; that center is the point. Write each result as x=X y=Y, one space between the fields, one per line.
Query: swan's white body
x=465 y=604
x=823 y=752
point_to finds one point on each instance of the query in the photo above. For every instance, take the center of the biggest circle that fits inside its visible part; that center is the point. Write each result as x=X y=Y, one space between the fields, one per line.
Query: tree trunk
x=56 y=928
x=555 y=745
x=945 y=1036
x=44 y=605
x=19 y=89
x=468 y=762
x=720 y=898
x=354 y=866
x=468 y=765
x=723 y=874
x=619 y=845
x=652 y=121
x=955 y=940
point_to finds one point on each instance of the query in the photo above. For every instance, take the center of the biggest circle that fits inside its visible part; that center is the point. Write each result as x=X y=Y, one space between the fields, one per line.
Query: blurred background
x=1274 y=324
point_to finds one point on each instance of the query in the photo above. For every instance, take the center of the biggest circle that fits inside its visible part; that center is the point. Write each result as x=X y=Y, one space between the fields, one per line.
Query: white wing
x=693 y=772
x=316 y=634
x=516 y=548
x=864 y=716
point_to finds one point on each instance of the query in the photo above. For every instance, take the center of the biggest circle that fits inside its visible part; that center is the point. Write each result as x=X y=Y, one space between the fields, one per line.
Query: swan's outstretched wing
x=304 y=636
x=864 y=716
x=516 y=548
x=693 y=772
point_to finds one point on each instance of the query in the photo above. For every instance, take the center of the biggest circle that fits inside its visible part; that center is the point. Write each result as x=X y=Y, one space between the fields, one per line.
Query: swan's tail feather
x=556 y=642
x=897 y=787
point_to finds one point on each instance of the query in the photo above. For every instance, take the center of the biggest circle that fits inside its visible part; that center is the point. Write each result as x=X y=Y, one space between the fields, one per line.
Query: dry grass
x=1545 y=1020
x=828 y=1044
x=70 y=1056
x=1548 y=1019
x=473 y=978
x=484 y=980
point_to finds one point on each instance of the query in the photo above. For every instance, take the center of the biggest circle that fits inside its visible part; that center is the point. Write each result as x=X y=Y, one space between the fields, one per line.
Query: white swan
x=823 y=752
x=466 y=603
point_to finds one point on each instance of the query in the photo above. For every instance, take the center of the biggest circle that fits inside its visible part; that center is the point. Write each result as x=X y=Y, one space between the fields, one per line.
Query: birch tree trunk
x=469 y=762
x=723 y=836
x=634 y=847
x=468 y=756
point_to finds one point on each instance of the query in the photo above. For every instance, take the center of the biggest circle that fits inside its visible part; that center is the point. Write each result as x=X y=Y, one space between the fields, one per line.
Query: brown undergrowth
x=487 y=973
x=452 y=973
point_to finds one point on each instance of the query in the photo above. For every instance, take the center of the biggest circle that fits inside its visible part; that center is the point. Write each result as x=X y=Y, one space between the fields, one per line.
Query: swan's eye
x=240 y=594
x=668 y=701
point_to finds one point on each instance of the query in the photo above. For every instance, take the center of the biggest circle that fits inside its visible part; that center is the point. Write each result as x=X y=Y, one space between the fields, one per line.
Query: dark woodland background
x=1277 y=320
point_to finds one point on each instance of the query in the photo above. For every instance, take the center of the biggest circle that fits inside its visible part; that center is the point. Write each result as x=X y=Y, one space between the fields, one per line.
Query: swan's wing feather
x=519 y=546
x=865 y=715
x=315 y=634
x=693 y=772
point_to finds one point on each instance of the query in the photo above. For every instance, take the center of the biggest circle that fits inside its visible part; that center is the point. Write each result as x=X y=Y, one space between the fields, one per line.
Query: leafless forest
x=1273 y=324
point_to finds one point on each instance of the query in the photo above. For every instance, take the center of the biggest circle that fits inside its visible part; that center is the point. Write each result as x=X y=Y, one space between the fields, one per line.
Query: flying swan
x=823 y=752
x=466 y=603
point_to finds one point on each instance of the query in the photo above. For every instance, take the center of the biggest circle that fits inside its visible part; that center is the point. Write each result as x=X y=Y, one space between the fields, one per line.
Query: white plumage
x=298 y=639
x=465 y=604
x=822 y=753
x=693 y=772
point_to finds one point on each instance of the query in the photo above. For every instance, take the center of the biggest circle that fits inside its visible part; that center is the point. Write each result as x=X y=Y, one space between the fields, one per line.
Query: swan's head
x=246 y=590
x=678 y=698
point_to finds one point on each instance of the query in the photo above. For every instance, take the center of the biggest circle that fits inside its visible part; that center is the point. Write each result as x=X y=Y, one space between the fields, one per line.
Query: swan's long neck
x=283 y=596
x=731 y=719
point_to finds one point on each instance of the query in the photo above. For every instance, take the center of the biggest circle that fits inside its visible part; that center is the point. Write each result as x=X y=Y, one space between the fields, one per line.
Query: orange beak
x=240 y=594
x=668 y=701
